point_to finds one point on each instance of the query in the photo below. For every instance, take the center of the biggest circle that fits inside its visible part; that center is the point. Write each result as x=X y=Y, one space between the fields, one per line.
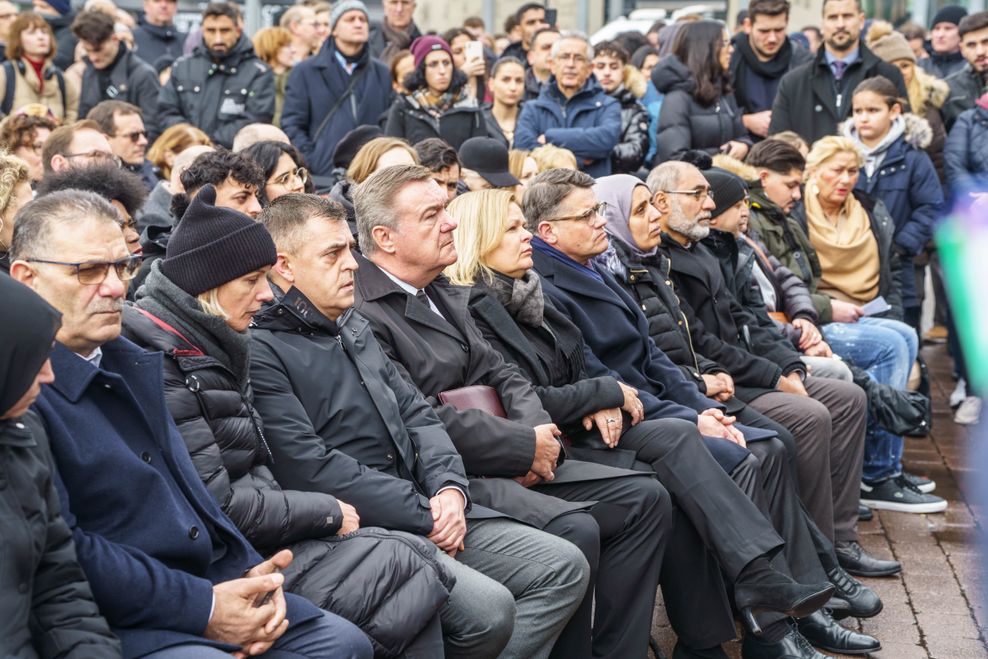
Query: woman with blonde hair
x=273 y=46
x=523 y=167
x=15 y=192
x=377 y=154
x=172 y=142
x=550 y=156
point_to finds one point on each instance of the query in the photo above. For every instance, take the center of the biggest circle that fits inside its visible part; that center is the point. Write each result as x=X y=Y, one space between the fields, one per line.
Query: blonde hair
x=210 y=303
x=793 y=139
x=13 y=170
x=176 y=139
x=365 y=162
x=549 y=156
x=482 y=217
x=269 y=40
x=826 y=148
x=516 y=162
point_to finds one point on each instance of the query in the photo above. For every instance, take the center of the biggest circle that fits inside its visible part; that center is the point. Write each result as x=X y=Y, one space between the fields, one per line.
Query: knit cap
x=949 y=14
x=342 y=7
x=727 y=189
x=427 y=44
x=888 y=44
x=213 y=245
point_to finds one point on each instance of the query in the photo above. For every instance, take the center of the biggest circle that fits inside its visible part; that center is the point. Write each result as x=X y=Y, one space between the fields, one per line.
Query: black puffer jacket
x=629 y=153
x=365 y=576
x=685 y=124
x=410 y=122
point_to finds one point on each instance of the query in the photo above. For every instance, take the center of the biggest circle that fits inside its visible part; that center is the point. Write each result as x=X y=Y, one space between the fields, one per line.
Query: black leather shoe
x=824 y=632
x=853 y=558
x=760 y=587
x=862 y=602
x=864 y=513
x=792 y=646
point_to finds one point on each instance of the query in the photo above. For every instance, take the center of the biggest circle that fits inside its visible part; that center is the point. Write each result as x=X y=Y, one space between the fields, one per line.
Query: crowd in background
x=352 y=340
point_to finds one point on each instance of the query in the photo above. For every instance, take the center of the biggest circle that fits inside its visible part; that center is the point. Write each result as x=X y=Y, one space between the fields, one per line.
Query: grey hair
x=39 y=220
x=373 y=200
x=285 y=217
x=547 y=191
x=666 y=176
x=572 y=34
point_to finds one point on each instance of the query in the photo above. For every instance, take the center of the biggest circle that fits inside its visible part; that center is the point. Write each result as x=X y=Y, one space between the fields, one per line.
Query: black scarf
x=160 y=297
x=521 y=297
x=26 y=342
x=772 y=69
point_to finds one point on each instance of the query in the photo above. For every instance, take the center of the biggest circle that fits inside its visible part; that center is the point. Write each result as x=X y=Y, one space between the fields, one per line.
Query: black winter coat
x=46 y=608
x=222 y=430
x=458 y=124
x=685 y=124
x=629 y=153
x=810 y=102
x=64 y=39
x=966 y=153
x=966 y=87
x=154 y=41
x=218 y=97
x=135 y=82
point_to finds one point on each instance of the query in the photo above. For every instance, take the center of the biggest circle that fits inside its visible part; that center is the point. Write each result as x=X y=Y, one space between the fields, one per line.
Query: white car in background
x=640 y=20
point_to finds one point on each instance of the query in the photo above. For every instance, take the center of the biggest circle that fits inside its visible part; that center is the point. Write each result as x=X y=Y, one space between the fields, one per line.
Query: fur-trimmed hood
x=933 y=90
x=918 y=132
x=634 y=81
x=735 y=166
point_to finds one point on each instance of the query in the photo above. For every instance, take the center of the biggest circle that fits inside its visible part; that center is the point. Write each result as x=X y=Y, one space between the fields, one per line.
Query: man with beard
x=968 y=84
x=222 y=86
x=813 y=98
x=762 y=55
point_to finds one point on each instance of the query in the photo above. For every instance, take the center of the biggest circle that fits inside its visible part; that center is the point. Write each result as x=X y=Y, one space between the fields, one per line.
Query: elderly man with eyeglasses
x=396 y=32
x=572 y=111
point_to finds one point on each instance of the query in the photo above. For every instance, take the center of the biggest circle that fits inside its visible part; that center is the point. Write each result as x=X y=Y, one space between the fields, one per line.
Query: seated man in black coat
x=339 y=419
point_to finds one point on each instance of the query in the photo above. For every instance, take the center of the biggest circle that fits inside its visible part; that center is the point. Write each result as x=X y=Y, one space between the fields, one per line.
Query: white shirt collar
x=95 y=357
x=411 y=290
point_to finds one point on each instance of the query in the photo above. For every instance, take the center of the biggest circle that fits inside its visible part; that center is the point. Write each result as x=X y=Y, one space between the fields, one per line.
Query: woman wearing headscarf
x=598 y=414
x=195 y=307
x=46 y=605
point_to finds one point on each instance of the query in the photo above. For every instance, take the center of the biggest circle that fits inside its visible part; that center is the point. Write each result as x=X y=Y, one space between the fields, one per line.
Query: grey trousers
x=516 y=588
x=829 y=427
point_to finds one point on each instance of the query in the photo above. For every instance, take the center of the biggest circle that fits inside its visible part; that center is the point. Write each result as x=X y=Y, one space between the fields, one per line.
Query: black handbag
x=898 y=411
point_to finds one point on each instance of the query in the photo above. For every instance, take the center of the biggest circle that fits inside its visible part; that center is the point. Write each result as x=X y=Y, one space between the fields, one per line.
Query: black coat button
x=193 y=532
x=146 y=457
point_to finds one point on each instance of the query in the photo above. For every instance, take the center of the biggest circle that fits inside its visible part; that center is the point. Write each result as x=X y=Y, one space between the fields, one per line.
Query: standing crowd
x=341 y=340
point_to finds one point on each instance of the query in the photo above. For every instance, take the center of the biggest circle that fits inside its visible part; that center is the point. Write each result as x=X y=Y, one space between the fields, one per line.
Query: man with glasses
x=112 y=71
x=572 y=110
x=123 y=126
x=396 y=32
x=77 y=145
x=300 y=21
x=167 y=567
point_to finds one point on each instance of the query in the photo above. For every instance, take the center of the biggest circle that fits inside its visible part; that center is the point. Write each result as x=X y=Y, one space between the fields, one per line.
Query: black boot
x=760 y=587
x=853 y=558
x=862 y=602
x=824 y=632
x=792 y=646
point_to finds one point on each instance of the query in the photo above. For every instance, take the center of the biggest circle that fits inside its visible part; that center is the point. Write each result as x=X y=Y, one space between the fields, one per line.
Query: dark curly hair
x=266 y=154
x=105 y=179
x=215 y=167
x=20 y=130
x=697 y=46
x=415 y=80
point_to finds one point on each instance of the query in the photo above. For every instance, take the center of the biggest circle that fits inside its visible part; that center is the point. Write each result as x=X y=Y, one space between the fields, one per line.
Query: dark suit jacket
x=438 y=355
x=150 y=538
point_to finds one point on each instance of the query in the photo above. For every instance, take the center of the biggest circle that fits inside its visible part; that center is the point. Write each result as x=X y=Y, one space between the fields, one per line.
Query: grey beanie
x=342 y=7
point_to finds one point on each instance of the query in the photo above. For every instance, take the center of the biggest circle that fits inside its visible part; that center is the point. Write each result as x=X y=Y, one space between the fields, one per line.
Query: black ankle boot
x=760 y=587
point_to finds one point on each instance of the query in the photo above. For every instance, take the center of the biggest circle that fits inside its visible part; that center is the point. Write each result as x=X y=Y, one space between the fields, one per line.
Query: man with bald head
x=253 y=133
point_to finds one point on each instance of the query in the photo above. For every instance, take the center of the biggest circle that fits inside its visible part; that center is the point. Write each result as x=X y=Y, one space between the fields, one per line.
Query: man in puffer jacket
x=222 y=86
x=627 y=85
x=966 y=153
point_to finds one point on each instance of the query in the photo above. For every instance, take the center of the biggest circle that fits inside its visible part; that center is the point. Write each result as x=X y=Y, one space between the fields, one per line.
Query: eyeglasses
x=300 y=175
x=97 y=155
x=576 y=58
x=135 y=136
x=697 y=194
x=94 y=272
x=587 y=216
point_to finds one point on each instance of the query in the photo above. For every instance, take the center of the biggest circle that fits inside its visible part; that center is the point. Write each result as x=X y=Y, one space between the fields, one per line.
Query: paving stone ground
x=937 y=608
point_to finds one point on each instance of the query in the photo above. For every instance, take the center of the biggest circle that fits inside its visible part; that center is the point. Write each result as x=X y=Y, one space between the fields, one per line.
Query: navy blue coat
x=908 y=184
x=314 y=86
x=150 y=538
x=588 y=124
x=965 y=155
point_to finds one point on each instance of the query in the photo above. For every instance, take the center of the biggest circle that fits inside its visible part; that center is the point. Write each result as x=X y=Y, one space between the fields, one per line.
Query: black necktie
x=423 y=298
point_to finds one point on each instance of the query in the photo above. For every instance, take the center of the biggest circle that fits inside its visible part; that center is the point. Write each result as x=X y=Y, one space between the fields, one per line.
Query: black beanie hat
x=347 y=148
x=727 y=188
x=213 y=245
x=949 y=14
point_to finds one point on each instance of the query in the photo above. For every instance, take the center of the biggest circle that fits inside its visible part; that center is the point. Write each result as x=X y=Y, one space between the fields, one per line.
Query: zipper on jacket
x=689 y=340
x=257 y=427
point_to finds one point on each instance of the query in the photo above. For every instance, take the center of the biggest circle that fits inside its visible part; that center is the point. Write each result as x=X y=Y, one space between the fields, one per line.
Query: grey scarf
x=521 y=297
x=162 y=298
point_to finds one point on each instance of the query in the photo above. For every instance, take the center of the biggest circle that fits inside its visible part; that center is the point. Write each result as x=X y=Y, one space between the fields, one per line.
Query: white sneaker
x=959 y=394
x=969 y=411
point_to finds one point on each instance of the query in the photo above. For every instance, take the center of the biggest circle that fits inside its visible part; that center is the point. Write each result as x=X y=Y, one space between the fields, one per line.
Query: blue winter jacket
x=314 y=86
x=965 y=155
x=908 y=184
x=588 y=124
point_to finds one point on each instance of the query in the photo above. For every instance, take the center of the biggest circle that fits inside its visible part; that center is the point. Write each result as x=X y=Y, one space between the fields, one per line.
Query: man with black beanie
x=945 y=43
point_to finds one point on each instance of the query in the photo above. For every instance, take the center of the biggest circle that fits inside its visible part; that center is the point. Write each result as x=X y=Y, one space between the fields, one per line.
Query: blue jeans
x=328 y=637
x=886 y=349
